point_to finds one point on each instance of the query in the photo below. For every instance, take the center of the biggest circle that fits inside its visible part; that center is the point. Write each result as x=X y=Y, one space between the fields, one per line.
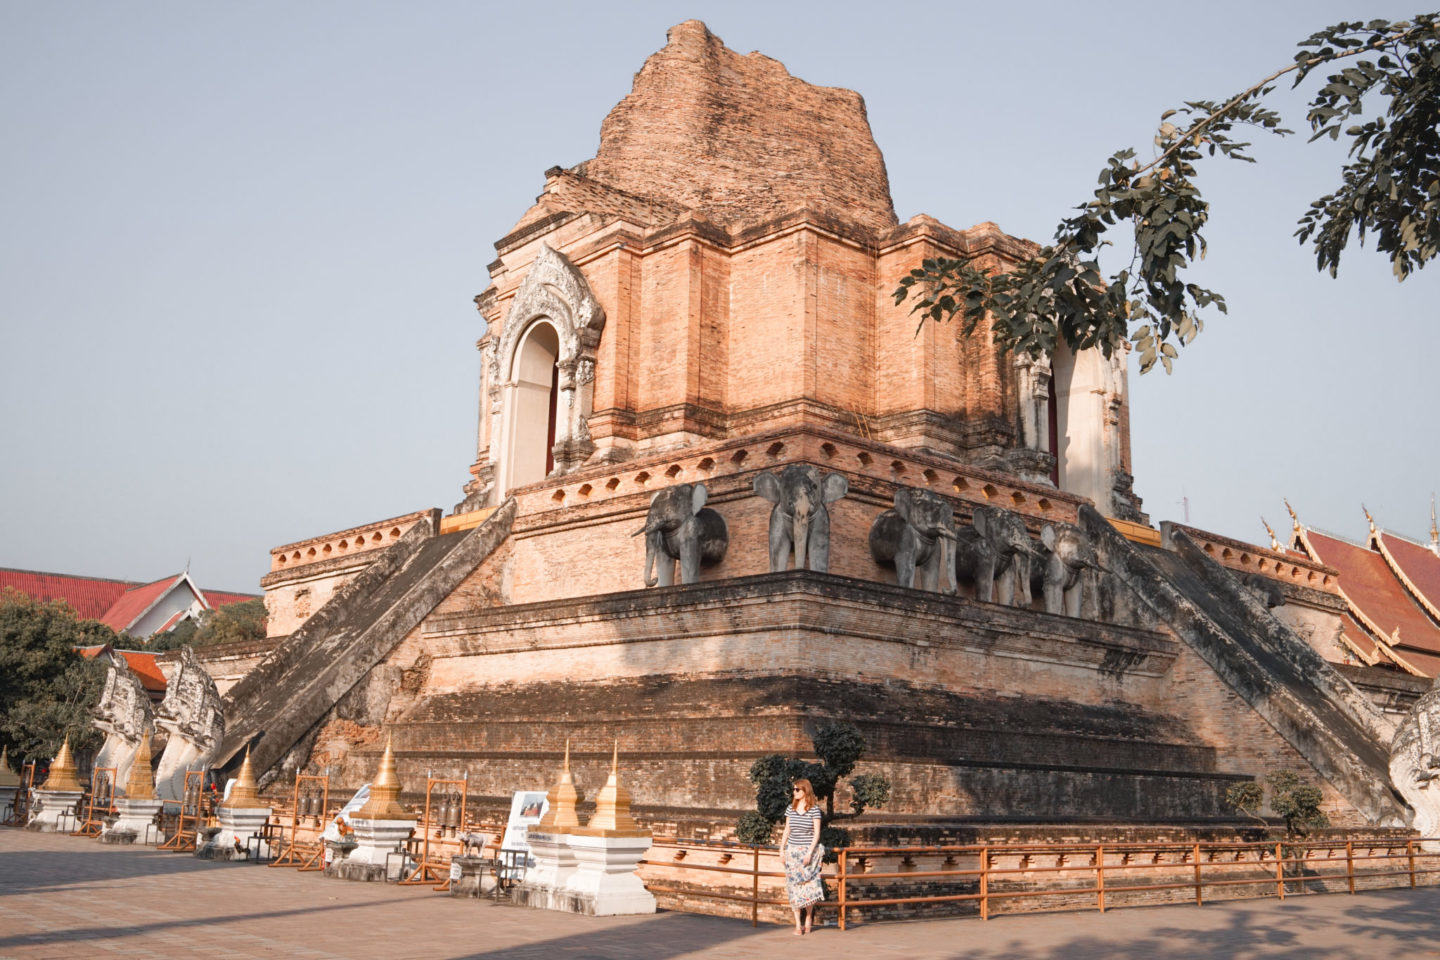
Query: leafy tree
x=46 y=688
x=234 y=622
x=1390 y=189
x=839 y=747
x=1292 y=798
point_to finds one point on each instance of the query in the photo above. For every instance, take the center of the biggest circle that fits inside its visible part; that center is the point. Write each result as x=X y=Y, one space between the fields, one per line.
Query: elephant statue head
x=1006 y=577
x=680 y=527
x=801 y=517
x=1068 y=565
x=918 y=537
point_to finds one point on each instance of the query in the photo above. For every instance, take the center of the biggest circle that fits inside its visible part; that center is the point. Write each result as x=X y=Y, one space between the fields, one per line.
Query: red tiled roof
x=1377 y=598
x=133 y=603
x=143 y=665
x=89 y=597
x=1416 y=566
x=221 y=598
x=1360 y=639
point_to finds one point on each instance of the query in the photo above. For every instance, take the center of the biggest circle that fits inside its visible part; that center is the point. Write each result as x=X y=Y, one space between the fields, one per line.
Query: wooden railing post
x=1199 y=898
x=1100 y=876
x=1350 y=864
x=755 y=889
x=1410 y=853
x=984 y=883
x=841 y=882
x=1280 y=871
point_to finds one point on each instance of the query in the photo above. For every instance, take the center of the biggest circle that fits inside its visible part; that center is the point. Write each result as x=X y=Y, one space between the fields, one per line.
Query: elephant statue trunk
x=680 y=527
x=918 y=537
x=800 y=519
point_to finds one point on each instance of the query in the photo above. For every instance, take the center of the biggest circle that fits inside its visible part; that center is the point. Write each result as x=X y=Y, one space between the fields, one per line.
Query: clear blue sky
x=239 y=243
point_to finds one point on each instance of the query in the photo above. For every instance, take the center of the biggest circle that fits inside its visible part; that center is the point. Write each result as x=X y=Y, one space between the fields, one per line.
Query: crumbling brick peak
x=740 y=140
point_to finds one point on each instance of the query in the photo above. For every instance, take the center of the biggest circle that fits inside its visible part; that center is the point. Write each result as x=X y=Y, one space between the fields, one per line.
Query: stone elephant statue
x=680 y=527
x=1069 y=569
x=1000 y=556
x=918 y=537
x=801 y=517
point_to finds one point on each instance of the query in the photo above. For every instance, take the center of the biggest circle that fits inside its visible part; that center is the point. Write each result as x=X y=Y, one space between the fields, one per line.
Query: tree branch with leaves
x=1390 y=189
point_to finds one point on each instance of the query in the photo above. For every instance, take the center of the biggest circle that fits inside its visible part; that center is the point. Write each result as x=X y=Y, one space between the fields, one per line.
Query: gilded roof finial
x=8 y=777
x=62 y=770
x=384 y=802
x=140 y=785
x=1274 y=541
x=244 y=795
x=561 y=801
x=1294 y=517
x=1371 y=520
x=1434 y=531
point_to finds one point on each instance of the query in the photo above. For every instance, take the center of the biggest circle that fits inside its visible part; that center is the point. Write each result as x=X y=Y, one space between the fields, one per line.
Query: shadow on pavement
x=26 y=872
x=662 y=936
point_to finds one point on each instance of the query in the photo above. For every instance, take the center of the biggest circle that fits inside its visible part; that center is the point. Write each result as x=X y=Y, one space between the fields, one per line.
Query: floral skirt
x=802 y=883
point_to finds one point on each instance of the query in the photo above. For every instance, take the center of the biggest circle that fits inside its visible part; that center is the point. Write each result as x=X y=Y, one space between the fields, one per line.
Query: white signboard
x=526 y=809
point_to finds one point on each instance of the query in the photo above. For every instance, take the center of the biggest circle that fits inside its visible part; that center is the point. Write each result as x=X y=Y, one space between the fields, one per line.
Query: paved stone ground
x=69 y=897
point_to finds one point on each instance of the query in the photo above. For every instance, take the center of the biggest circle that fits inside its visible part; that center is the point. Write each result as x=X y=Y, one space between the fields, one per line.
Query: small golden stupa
x=612 y=807
x=141 y=783
x=384 y=802
x=244 y=795
x=8 y=777
x=562 y=800
x=62 y=771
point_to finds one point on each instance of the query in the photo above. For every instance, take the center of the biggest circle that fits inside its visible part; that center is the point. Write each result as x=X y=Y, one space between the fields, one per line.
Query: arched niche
x=533 y=388
x=548 y=336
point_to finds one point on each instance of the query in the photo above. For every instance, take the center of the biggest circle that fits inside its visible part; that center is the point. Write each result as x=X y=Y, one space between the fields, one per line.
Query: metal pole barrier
x=755 y=889
x=1280 y=871
x=1350 y=864
x=1100 y=875
x=984 y=883
x=1199 y=898
x=1410 y=853
x=841 y=880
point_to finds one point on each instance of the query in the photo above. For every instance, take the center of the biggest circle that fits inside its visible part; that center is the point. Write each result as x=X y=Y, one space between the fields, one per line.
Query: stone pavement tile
x=71 y=897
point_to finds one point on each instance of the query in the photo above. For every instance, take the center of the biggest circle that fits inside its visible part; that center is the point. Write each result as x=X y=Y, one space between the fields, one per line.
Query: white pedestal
x=605 y=883
x=237 y=826
x=135 y=817
x=545 y=883
x=375 y=840
x=53 y=804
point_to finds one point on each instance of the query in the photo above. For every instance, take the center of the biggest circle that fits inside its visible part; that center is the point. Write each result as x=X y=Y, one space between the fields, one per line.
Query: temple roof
x=119 y=604
x=1387 y=622
x=732 y=137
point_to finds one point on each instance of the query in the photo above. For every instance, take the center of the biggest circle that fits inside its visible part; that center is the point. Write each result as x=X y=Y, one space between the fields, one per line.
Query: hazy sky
x=239 y=245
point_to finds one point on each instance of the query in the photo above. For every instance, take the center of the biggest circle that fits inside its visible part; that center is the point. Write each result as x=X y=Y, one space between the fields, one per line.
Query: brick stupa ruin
x=708 y=301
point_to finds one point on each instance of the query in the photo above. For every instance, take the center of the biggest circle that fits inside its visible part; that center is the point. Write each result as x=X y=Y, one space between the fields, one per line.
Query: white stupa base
x=605 y=883
x=135 y=822
x=238 y=827
x=375 y=842
x=545 y=882
x=55 y=811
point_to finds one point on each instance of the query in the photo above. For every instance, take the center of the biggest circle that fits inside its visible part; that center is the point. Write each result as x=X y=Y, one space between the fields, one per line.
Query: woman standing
x=799 y=846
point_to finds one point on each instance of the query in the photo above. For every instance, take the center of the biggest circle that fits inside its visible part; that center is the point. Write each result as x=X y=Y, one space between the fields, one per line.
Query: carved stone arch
x=556 y=292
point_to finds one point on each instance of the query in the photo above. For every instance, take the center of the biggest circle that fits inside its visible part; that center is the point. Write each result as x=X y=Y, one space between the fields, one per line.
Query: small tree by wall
x=839 y=747
x=1292 y=798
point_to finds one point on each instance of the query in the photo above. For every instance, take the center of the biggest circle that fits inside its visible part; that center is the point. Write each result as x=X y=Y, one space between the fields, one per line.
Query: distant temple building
x=125 y=606
x=693 y=370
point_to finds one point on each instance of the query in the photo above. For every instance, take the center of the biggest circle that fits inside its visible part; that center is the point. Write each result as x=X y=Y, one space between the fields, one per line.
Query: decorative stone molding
x=555 y=291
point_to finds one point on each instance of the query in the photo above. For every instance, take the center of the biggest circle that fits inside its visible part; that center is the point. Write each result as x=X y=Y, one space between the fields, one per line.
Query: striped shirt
x=802 y=826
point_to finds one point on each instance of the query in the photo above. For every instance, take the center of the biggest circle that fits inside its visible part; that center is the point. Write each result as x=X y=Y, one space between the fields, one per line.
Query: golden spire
x=244 y=796
x=612 y=804
x=384 y=802
x=141 y=783
x=62 y=771
x=562 y=800
x=8 y=778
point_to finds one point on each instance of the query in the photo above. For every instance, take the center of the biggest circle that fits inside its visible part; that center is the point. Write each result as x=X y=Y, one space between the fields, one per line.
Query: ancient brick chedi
x=692 y=337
